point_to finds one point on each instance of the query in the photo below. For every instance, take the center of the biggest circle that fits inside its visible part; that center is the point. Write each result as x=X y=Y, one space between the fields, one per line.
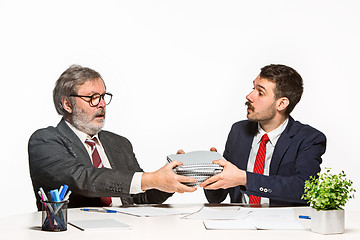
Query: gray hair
x=68 y=84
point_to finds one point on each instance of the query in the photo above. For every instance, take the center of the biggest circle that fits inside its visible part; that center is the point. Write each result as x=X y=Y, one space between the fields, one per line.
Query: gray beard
x=84 y=123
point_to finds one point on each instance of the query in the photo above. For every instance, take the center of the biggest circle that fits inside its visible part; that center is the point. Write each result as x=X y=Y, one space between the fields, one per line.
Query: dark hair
x=288 y=82
x=68 y=84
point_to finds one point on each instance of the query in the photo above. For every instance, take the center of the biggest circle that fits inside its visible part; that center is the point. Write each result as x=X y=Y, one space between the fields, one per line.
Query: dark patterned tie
x=98 y=164
x=259 y=165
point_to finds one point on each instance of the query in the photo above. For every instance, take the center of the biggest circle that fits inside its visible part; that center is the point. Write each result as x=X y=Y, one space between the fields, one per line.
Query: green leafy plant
x=328 y=191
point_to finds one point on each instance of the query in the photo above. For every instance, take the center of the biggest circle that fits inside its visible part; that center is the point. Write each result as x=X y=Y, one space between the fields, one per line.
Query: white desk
x=28 y=226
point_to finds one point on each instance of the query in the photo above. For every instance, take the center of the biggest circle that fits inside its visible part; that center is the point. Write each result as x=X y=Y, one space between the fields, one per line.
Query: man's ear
x=282 y=103
x=66 y=104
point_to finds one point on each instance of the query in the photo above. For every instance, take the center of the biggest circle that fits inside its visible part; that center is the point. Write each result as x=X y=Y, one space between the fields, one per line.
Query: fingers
x=213 y=149
x=186 y=179
x=185 y=188
x=179 y=185
x=213 y=186
x=173 y=164
x=176 y=184
x=221 y=162
x=180 y=151
x=210 y=181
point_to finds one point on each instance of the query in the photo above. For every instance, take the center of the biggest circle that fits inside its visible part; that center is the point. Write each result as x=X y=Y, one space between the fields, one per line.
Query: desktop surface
x=170 y=227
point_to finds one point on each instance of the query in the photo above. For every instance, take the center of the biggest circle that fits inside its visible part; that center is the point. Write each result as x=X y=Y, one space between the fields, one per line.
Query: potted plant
x=327 y=196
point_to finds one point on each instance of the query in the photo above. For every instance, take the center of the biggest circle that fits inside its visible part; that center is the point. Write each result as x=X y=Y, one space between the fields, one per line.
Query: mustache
x=101 y=112
x=248 y=104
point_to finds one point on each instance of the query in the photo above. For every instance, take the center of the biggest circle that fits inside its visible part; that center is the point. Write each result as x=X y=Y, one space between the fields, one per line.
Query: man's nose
x=102 y=102
x=249 y=96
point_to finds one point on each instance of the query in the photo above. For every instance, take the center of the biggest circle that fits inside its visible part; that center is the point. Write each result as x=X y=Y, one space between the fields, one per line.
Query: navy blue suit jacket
x=296 y=157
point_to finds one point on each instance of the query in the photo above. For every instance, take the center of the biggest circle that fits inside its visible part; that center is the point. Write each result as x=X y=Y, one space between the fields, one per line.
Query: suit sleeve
x=219 y=195
x=125 y=157
x=302 y=160
x=53 y=163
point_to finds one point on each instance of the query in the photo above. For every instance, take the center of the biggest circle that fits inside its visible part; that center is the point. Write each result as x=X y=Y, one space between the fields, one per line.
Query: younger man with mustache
x=99 y=166
x=291 y=151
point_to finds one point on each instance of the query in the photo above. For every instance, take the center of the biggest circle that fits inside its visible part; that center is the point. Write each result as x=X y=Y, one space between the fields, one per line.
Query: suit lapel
x=245 y=152
x=107 y=143
x=111 y=151
x=282 y=146
x=74 y=145
x=77 y=147
x=245 y=144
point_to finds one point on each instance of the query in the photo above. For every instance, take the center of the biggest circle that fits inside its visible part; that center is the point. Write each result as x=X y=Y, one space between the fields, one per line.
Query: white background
x=179 y=72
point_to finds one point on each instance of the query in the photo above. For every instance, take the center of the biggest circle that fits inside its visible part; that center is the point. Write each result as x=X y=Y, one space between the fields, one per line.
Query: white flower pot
x=327 y=221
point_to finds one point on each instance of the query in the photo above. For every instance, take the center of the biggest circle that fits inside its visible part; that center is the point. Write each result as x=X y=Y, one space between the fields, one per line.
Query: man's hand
x=180 y=151
x=231 y=176
x=166 y=180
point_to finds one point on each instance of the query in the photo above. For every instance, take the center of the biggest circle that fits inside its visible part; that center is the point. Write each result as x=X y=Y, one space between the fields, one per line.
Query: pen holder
x=54 y=216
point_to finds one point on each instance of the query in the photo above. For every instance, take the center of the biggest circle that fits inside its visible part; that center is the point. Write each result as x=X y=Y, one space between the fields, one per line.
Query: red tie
x=98 y=164
x=259 y=165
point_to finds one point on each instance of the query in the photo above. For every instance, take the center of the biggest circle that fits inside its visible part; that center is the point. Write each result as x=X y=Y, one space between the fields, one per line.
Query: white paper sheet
x=208 y=213
x=277 y=224
x=99 y=224
x=150 y=211
x=254 y=218
x=229 y=224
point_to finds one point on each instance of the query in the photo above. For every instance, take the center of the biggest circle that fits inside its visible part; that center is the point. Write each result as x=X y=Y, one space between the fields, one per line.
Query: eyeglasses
x=96 y=98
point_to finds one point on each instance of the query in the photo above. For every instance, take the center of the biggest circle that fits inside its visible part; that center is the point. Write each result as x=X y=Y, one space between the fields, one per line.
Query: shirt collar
x=274 y=135
x=81 y=135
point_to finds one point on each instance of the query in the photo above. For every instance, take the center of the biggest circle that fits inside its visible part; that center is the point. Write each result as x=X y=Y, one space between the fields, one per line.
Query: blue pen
x=56 y=195
x=56 y=198
x=98 y=210
x=52 y=195
x=65 y=198
x=304 y=217
x=53 y=217
x=63 y=190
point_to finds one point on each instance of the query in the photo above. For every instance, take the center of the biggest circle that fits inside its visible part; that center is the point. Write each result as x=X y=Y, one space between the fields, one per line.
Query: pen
x=62 y=192
x=60 y=189
x=44 y=198
x=304 y=217
x=65 y=198
x=55 y=195
x=98 y=210
x=54 y=215
x=43 y=193
x=48 y=218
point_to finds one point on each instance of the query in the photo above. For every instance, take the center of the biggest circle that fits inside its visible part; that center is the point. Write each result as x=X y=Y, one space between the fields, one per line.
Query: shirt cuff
x=135 y=186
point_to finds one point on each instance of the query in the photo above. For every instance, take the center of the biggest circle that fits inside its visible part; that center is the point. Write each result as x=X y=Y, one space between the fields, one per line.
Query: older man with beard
x=270 y=155
x=99 y=166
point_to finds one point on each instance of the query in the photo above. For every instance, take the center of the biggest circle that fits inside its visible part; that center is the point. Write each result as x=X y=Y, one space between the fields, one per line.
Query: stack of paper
x=197 y=164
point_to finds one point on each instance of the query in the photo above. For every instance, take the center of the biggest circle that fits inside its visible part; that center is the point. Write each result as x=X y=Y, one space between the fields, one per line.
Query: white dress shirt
x=270 y=146
x=135 y=186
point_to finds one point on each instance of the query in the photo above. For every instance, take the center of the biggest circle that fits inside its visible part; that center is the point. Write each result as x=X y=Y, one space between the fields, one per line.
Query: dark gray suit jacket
x=58 y=157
